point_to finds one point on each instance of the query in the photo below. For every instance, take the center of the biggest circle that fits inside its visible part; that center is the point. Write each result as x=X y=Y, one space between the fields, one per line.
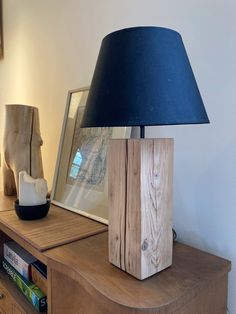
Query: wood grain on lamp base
x=140 y=174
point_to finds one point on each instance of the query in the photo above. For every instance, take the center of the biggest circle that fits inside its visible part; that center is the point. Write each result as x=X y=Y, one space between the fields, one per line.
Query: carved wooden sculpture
x=21 y=146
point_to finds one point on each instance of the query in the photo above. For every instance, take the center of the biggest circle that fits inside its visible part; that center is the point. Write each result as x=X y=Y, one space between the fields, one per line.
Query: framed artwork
x=80 y=181
x=1 y=31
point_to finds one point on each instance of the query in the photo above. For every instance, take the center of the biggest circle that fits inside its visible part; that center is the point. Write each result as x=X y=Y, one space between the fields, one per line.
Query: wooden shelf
x=81 y=279
x=10 y=290
x=57 y=228
x=192 y=271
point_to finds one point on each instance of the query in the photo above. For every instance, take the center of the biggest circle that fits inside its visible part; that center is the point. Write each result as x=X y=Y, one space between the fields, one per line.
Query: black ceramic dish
x=32 y=212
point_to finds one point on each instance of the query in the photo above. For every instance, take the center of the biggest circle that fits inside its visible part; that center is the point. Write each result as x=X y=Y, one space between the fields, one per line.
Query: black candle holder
x=32 y=212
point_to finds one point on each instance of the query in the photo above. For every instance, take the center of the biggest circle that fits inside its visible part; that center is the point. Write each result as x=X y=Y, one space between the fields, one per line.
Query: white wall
x=51 y=47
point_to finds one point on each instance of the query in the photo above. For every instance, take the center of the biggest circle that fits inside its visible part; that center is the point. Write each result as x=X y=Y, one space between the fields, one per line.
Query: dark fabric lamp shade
x=143 y=77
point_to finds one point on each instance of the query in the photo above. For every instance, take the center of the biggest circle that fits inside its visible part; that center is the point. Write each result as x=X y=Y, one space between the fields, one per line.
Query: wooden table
x=82 y=281
x=195 y=283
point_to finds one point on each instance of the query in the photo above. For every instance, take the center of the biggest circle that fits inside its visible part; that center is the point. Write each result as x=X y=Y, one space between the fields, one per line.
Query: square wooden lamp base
x=140 y=176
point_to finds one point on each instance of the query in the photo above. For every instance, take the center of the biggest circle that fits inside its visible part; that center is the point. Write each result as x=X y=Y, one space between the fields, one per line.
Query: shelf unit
x=37 y=237
x=9 y=293
x=81 y=280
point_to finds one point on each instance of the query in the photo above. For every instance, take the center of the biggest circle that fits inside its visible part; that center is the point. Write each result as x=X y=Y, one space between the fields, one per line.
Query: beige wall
x=51 y=47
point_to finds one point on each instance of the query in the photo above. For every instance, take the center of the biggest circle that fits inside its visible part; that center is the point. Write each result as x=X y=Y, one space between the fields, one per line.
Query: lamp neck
x=142 y=131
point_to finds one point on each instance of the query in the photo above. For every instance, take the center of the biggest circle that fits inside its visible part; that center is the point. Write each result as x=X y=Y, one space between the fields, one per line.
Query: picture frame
x=80 y=179
x=1 y=31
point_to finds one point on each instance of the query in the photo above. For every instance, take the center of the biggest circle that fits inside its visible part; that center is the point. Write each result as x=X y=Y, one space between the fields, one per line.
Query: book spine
x=17 y=262
x=27 y=288
x=39 y=279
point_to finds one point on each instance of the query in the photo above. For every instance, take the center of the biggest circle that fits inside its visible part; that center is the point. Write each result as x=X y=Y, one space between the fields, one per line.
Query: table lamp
x=142 y=77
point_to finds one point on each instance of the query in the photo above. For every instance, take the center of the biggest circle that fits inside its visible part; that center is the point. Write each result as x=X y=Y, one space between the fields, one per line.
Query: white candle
x=32 y=191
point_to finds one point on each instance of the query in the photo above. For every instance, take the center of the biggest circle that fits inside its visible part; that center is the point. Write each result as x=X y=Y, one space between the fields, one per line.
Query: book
x=34 y=295
x=19 y=258
x=39 y=275
x=42 y=268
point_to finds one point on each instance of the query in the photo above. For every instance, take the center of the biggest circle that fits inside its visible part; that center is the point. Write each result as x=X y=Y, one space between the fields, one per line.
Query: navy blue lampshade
x=143 y=77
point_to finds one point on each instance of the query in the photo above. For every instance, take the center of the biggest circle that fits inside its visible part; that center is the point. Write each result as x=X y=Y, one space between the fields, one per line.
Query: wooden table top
x=87 y=261
x=59 y=227
x=63 y=240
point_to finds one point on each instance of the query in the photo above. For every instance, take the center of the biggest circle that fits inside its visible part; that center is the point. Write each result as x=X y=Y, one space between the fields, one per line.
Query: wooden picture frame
x=80 y=180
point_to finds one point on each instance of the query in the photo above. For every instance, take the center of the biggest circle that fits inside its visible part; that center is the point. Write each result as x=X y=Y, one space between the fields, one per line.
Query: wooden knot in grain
x=145 y=245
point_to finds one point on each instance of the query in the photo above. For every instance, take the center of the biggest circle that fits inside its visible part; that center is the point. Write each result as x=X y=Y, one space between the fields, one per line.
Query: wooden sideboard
x=82 y=281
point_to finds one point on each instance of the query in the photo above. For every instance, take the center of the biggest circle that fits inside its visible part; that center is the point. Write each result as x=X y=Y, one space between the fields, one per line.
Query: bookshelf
x=10 y=294
x=81 y=280
x=37 y=237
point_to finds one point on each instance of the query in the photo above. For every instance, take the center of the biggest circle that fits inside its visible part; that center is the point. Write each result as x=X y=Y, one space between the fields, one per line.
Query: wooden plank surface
x=86 y=261
x=209 y=300
x=58 y=227
x=140 y=173
x=117 y=201
x=156 y=205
